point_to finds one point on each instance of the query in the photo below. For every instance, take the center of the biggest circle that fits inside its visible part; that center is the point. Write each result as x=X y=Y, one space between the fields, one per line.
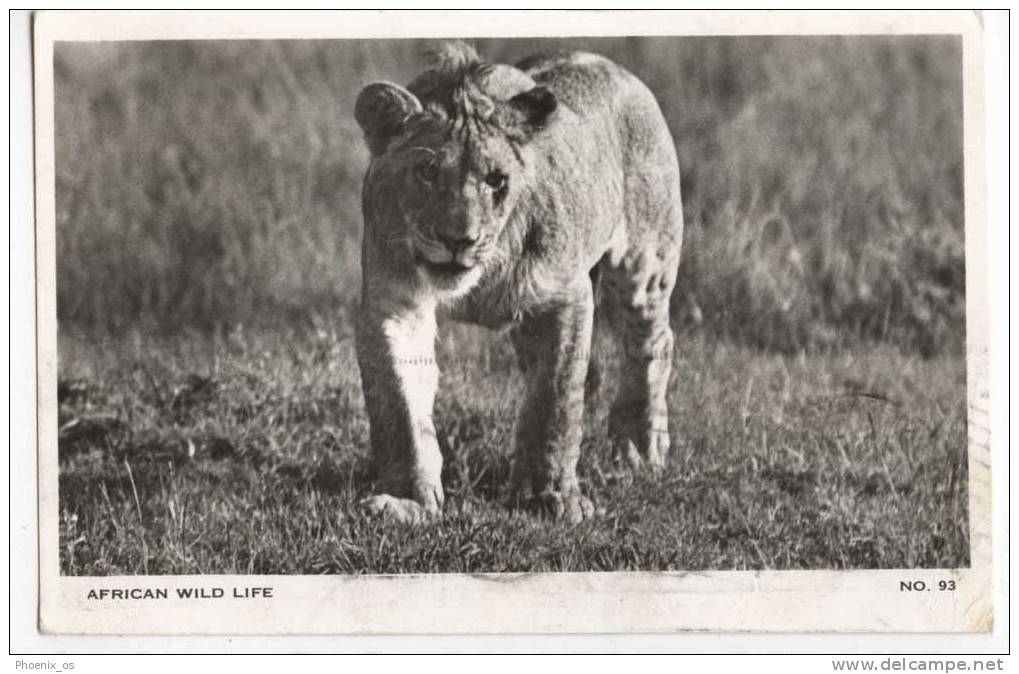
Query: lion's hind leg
x=637 y=290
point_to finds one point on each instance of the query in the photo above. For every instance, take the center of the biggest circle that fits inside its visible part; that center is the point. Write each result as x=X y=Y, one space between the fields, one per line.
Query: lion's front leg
x=554 y=348
x=396 y=353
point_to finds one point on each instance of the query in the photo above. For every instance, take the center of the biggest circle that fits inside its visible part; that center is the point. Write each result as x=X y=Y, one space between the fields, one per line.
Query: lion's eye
x=427 y=172
x=496 y=180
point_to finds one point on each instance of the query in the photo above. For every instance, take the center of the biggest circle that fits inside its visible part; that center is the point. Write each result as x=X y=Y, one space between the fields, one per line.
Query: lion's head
x=450 y=159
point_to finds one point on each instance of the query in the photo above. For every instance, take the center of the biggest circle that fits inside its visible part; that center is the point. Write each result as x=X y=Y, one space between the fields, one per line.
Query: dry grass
x=208 y=239
x=247 y=455
x=209 y=184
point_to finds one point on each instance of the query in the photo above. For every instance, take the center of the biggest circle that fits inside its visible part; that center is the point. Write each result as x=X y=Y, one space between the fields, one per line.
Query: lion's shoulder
x=584 y=81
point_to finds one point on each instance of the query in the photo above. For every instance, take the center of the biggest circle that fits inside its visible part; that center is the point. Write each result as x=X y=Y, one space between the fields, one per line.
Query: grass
x=208 y=234
x=204 y=184
x=248 y=453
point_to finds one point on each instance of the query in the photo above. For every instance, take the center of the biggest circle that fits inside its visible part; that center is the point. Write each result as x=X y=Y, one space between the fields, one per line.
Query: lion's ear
x=382 y=110
x=533 y=107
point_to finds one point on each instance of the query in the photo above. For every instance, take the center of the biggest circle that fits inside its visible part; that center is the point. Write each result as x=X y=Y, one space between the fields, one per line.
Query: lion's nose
x=458 y=244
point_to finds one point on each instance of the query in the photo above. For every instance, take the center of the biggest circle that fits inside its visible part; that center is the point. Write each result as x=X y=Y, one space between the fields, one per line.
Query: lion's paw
x=572 y=507
x=403 y=510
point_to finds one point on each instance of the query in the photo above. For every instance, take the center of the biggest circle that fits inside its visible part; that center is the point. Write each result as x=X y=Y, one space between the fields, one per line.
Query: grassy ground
x=819 y=401
x=247 y=454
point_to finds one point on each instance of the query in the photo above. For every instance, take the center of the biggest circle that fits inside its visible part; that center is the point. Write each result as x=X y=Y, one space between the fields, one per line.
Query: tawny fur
x=496 y=194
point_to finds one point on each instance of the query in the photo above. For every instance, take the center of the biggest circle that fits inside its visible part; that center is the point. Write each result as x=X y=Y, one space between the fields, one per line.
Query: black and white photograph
x=412 y=306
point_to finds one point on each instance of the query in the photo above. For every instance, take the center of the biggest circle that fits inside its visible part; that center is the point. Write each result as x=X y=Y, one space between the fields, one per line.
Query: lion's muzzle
x=460 y=252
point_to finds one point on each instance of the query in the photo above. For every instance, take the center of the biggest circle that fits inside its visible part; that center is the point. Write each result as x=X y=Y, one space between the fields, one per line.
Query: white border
x=692 y=23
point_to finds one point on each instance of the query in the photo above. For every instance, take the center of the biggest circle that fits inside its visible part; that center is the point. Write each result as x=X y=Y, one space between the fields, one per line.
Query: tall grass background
x=205 y=185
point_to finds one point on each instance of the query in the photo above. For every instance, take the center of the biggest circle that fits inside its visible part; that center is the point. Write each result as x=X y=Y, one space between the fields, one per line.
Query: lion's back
x=591 y=86
x=627 y=140
x=582 y=81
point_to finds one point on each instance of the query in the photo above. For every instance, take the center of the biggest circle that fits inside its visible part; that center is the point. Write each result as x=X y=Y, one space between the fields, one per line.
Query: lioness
x=505 y=196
